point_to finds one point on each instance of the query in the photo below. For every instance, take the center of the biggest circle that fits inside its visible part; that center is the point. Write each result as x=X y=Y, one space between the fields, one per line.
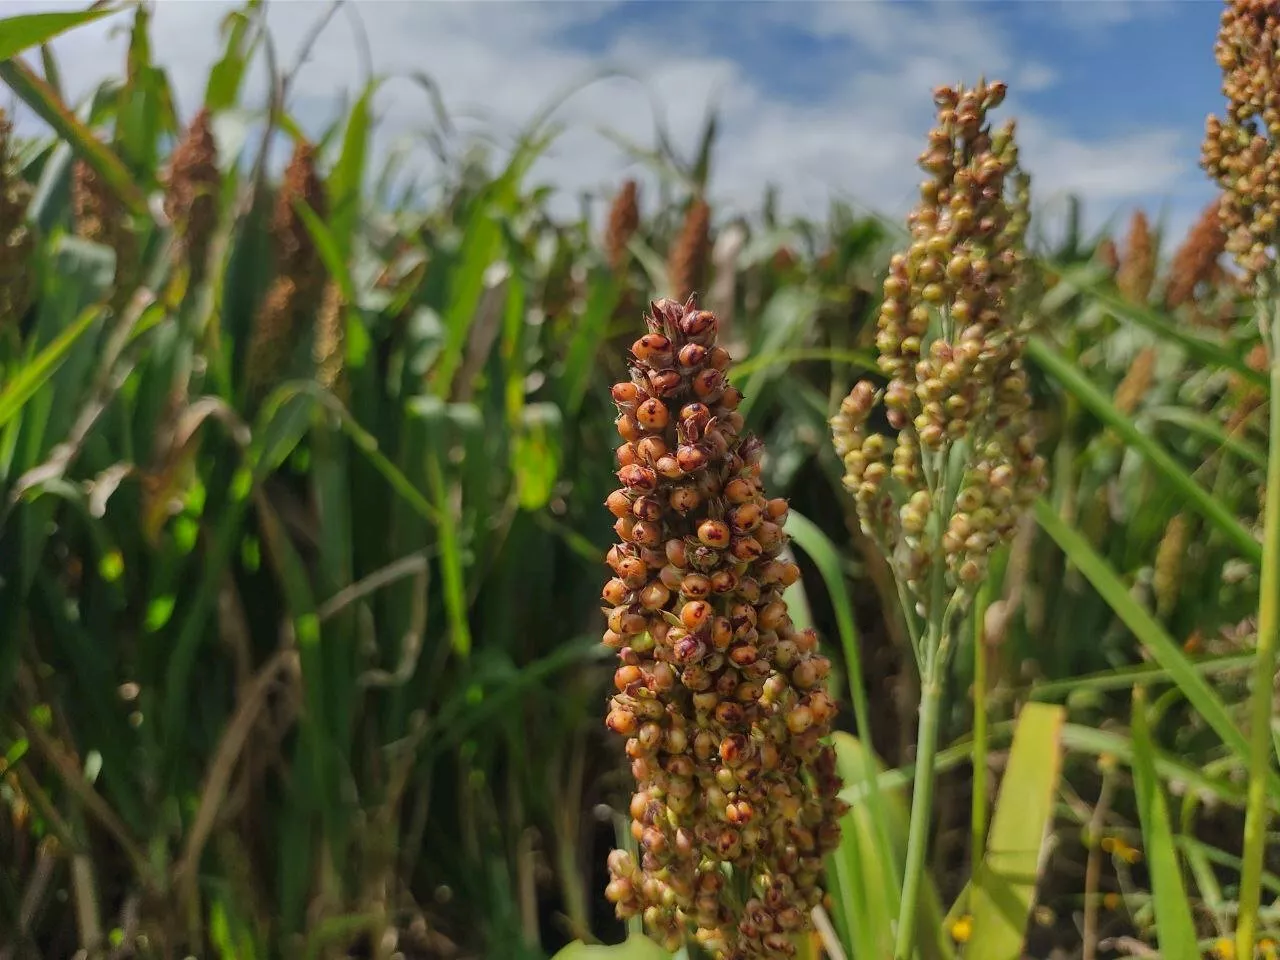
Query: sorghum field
x=390 y=581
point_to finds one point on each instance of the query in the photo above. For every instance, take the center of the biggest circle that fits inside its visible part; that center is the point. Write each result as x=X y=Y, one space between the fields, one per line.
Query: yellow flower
x=962 y=929
x=1224 y=948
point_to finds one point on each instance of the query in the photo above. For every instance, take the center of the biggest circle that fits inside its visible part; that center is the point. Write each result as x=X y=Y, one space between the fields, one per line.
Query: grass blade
x=1080 y=387
x=1005 y=884
x=1175 y=926
x=1201 y=350
x=24 y=385
x=1148 y=631
x=21 y=33
x=42 y=99
x=1261 y=704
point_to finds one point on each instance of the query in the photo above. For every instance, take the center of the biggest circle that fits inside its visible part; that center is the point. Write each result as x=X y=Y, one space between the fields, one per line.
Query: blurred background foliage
x=301 y=535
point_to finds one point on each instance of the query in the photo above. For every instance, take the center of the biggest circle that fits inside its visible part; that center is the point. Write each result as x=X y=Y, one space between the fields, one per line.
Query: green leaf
x=1005 y=884
x=223 y=88
x=1203 y=426
x=1079 y=386
x=636 y=947
x=42 y=99
x=1175 y=926
x=603 y=295
x=864 y=879
x=1148 y=630
x=30 y=377
x=347 y=178
x=21 y=33
x=1204 y=351
x=536 y=454
x=783 y=320
x=329 y=249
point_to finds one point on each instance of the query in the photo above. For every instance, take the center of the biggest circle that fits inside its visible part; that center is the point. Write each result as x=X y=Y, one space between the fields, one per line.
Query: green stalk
x=922 y=790
x=1264 y=667
x=978 y=816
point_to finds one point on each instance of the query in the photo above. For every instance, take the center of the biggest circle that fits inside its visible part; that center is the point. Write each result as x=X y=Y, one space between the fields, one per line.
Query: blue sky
x=821 y=99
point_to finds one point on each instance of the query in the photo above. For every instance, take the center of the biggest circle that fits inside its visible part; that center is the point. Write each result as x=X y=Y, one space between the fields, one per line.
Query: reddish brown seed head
x=652 y=414
x=626 y=454
x=689 y=650
x=622 y=722
x=625 y=393
x=698 y=414
x=698 y=323
x=708 y=383
x=624 y=677
x=745 y=518
x=686 y=498
x=695 y=614
x=739 y=813
x=715 y=533
x=669 y=467
x=647 y=508
x=650 y=450
x=615 y=592
x=651 y=348
x=632 y=571
x=653 y=595
x=724 y=581
x=692 y=355
x=695 y=586
x=638 y=478
x=664 y=382
x=624 y=527
x=721 y=633
x=691 y=457
x=619 y=503
x=628 y=428
x=739 y=491
x=678 y=554
x=647 y=533
x=718 y=357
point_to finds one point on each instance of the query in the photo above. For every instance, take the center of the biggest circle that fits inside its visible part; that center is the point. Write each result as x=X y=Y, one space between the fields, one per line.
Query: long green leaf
x=1175 y=926
x=1005 y=884
x=1198 y=348
x=21 y=33
x=42 y=99
x=347 y=179
x=28 y=380
x=1079 y=386
x=1148 y=631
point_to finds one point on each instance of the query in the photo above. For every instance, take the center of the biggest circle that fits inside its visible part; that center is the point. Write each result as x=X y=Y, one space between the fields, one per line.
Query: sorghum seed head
x=706 y=696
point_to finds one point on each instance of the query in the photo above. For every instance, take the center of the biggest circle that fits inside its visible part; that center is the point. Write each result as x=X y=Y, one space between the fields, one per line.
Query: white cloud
x=502 y=62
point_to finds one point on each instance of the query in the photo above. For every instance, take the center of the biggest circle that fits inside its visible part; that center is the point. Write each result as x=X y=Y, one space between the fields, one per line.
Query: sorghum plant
x=295 y=296
x=1242 y=154
x=16 y=243
x=691 y=253
x=949 y=487
x=722 y=700
x=191 y=197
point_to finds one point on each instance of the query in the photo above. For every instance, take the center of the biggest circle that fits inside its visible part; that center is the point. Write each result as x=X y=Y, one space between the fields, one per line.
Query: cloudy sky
x=821 y=99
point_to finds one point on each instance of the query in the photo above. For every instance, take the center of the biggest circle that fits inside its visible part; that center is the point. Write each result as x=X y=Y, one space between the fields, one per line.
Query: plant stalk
x=922 y=791
x=1264 y=668
x=978 y=814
